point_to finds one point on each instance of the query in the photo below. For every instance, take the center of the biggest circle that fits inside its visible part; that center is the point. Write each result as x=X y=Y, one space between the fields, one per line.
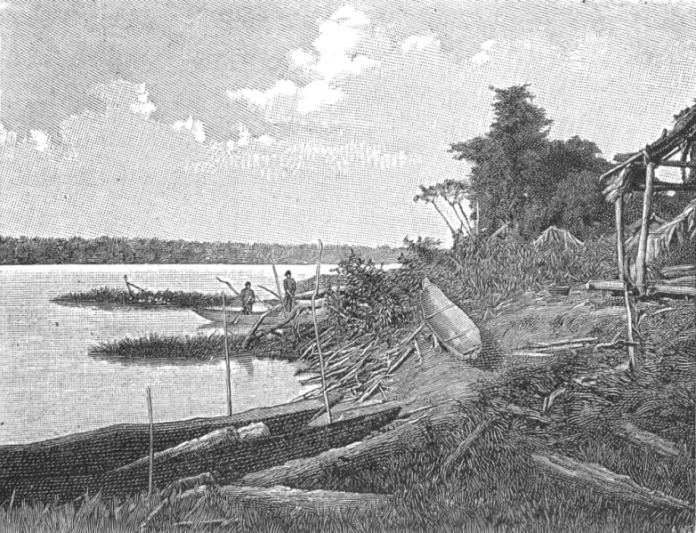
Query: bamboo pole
x=150 y=476
x=227 y=358
x=316 y=332
x=622 y=276
x=645 y=228
x=478 y=216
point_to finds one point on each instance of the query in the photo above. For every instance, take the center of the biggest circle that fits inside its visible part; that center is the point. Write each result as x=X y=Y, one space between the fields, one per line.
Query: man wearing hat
x=290 y=287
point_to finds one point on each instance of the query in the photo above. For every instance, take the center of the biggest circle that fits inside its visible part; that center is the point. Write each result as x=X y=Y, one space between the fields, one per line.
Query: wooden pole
x=645 y=228
x=150 y=477
x=280 y=294
x=478 y=216
x=316 y=332
x=227 y=358
x=618 y=205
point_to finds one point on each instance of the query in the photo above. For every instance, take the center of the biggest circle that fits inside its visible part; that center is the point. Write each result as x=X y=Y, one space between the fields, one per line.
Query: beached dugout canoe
x=60 y=466
x=453 y=328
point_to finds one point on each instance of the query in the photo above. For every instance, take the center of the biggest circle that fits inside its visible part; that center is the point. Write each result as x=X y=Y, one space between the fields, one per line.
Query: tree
x=526 y=181
x=505 y=159
x=452 y=193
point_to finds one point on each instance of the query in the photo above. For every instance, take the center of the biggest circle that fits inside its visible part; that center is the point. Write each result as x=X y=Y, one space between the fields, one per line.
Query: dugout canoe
x=60 y=466
x=452 y=326
x=226 y=459
x=237 y=319
x=229 y=461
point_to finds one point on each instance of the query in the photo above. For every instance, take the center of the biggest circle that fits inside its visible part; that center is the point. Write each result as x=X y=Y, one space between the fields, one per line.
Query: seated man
x=248 y=299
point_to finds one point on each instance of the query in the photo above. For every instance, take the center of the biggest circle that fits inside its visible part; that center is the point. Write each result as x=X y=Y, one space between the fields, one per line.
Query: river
x=50 y=386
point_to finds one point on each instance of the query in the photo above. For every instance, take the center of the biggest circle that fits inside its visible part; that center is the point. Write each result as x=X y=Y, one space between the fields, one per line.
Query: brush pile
x=362 y=367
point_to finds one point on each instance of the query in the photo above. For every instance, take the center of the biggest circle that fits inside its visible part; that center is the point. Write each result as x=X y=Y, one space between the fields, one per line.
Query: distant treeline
x=110 y=250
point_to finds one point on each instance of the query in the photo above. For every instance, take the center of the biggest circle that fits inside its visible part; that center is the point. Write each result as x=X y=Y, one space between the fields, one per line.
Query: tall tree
x=523 y=179
x=505 y=159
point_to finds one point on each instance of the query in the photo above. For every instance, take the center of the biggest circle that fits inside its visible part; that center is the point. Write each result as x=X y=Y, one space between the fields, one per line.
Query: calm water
x=50 y=386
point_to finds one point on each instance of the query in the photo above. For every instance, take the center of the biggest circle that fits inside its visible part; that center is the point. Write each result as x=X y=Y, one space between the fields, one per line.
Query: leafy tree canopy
x=522 y=178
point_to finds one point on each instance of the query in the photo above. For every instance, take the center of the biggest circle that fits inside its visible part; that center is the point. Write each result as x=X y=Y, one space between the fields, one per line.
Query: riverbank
x=568 y=440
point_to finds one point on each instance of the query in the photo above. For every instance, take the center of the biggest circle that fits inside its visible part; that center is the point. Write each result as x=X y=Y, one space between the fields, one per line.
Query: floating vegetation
x=167 y=297
x=199 y=347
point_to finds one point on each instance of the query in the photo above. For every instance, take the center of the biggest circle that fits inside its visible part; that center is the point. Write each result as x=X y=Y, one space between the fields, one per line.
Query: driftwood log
x=608 y=483
x=279 y=498
x=650 y=440
x=412 y=436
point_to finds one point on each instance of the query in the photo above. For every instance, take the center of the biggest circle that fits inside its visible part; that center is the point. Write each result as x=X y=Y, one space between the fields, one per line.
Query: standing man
x=290 y=287
x=248 y=299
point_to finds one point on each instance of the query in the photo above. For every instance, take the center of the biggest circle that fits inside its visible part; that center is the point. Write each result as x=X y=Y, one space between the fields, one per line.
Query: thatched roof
x=554 y=234
x=628 y=174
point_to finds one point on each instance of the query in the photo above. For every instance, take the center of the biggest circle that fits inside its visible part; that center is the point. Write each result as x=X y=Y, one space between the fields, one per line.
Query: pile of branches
x=362 y=367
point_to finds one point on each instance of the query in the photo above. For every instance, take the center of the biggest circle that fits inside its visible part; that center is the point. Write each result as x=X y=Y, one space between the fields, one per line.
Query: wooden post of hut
x=641 y=259
x=620 y=239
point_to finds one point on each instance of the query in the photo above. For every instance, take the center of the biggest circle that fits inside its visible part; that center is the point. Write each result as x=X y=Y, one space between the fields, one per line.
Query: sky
x=288 y=121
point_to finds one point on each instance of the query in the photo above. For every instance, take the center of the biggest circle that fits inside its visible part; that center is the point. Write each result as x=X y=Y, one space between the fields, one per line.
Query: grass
x=496 y=485
x=167 y=297
x=196 y=348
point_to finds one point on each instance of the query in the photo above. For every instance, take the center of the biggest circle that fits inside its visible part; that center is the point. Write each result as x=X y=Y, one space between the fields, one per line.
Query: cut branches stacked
x=362 y=366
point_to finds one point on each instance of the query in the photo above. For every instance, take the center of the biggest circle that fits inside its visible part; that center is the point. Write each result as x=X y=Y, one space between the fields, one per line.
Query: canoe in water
x=452 y=326
x=237 y=319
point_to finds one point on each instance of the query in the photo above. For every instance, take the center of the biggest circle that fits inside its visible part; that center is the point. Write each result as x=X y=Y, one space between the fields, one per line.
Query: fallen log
x=341 y=413
x=678 y=271
x=285 y=498
x=308 y=473
x=279 y=498
x=608 y=483
x=458 y=454
x=678 y=290
x=645 y=438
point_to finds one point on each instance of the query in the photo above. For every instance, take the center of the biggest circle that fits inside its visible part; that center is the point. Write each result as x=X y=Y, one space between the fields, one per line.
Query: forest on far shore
x=118 y=250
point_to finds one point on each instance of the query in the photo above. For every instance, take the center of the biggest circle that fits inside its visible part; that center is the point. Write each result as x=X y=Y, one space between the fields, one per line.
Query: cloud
x=317 y=94
x=266 y=140
x=194 y=126
x=483 y=56
x=40 y=138
x=419 y=42
x=143 y=106
x=350 y=16
x=335 y=56
x=124 y=95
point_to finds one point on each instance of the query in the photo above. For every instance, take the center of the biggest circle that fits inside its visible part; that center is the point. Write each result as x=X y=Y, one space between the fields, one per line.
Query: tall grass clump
x=166 y=297
x=196 y=348
x=495 y=269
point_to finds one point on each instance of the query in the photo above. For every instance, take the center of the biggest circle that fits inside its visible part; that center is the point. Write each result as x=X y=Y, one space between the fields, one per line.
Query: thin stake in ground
x=150 y=476
x=316 y=332
x=227 y=358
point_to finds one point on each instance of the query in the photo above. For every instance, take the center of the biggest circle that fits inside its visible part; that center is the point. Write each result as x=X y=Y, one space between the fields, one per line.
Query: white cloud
x=419 y=42
x=315 y=95
x=483 y=56
x=244 y=135
x=194 y=126
x=264 y=99
x=266 y=139
x=143 y=106
x=350 y=16
x=40 y=138
x=335 y=47
x=335 y=56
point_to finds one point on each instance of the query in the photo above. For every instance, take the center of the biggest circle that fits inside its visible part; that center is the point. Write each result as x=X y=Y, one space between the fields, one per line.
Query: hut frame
x=626 y=178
